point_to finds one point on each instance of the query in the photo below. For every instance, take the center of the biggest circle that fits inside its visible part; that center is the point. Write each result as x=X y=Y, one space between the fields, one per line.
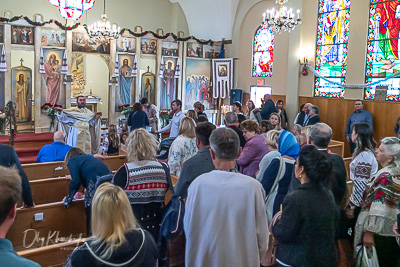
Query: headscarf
x=288 y=145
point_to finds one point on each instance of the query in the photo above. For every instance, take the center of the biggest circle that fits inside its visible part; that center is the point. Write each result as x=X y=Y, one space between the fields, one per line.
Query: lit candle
x=7 y=14
x=267 y=13
x=298 y=13
x=264 y=16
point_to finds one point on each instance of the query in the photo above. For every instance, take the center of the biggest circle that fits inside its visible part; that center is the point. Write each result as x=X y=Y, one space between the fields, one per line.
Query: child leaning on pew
x=10 y=193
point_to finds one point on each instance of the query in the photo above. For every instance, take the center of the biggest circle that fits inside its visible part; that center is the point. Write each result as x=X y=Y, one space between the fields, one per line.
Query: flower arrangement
x=125 y=109
x=50 y=110
x=165 y=116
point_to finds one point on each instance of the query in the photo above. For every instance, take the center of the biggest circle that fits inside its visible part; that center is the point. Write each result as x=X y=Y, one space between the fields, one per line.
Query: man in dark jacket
x=313 y=116
x=9 y=158
x=267 y=107
x=231 y=121
x=320 y=135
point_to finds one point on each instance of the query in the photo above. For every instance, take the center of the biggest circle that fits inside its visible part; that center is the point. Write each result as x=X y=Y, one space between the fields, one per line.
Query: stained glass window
x=263 y=52
x=332 y=44
x=383 y=50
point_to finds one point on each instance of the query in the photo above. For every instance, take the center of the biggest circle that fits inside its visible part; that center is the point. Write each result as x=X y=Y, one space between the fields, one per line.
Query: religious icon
x=148 y=46
x=263 y=52
x=81 y=42
x=72 y=10
x=148 y=88
x=222 y=70
x=170 y=49
x=126 y=44
x=125 y=91
x=168 y=82
x=212 y=51
x=78 y=75
x=51 y=37
x=51 y=82
x=22 y=35
x=198 y=74
x=194 y=49
x=22 y=92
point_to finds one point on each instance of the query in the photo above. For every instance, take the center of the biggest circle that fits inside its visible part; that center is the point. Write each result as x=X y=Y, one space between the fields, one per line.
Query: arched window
x=332 y=43
x=263 y=52
x=382 y=59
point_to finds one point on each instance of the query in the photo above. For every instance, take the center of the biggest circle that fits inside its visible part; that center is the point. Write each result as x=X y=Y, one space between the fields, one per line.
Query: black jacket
x=300 y=118
x=338 y=179
x=306 y=230
x=312 y=120
x=146 y=255
x=240 y=134
x=9 y=158
x=267 y=108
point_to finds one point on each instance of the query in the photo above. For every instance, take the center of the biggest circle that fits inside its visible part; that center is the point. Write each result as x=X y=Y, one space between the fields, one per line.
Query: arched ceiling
x=210 y=19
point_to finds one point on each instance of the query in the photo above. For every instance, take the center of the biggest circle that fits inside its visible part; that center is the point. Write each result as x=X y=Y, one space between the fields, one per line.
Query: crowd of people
x=246 y=183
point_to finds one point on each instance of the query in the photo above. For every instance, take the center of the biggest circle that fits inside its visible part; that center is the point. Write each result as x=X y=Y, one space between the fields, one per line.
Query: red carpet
x=28 y=145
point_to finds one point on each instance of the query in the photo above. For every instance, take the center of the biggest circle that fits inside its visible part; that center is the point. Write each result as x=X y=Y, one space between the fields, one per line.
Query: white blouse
x=181 y=149
x=362 y=168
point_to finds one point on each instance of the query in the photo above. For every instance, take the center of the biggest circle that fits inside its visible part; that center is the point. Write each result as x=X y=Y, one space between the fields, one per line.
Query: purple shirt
x=252 y=153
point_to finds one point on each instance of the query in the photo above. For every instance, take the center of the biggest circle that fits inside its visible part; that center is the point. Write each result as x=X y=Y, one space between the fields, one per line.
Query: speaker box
x=236 y=96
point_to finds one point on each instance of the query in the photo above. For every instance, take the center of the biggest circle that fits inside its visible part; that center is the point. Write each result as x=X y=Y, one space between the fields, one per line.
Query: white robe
x=82 y=129
x=225 y=221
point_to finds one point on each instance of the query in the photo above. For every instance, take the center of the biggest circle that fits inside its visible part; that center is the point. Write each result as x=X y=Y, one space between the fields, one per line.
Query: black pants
x=388 y=251
x=88 y=211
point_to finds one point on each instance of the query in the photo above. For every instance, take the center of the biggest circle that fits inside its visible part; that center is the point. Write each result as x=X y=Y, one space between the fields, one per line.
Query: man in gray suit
x=199 y=163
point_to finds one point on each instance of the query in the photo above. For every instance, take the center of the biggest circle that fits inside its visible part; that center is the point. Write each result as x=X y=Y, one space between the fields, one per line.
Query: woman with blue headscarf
x=277 y=176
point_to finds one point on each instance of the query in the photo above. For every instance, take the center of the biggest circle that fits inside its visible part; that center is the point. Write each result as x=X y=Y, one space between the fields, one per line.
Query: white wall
x=150 y=14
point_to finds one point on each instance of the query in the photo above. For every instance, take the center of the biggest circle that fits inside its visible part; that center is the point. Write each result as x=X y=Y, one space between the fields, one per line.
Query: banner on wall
x=222 y=77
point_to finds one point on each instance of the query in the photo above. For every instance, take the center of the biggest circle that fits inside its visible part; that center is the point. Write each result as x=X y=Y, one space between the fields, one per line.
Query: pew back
x=36 y=171
x=53 y=255
x=41 y=225
x=48 y=190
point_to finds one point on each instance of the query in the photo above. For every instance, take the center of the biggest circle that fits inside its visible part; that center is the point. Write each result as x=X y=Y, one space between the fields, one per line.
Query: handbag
x=270 y=258
x=172 y=220
x=270 y=198
x=366 y=257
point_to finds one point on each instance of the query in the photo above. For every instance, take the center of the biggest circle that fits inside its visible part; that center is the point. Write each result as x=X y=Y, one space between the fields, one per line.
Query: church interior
x=195 y=51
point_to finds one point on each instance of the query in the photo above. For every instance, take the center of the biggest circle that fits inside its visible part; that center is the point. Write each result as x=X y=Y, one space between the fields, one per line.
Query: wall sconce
x=303 y=66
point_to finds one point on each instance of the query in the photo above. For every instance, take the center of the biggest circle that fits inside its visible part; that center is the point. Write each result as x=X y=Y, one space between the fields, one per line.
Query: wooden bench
x=36 y=171
x=336 y=147
x=53 y=255
x=168 y=194
x=26 y=232
x=48 y=190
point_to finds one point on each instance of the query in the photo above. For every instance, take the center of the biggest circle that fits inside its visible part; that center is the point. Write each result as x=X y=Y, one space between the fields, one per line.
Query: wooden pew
x=48 y=190
x=36 y=171
x=27 y=233
x=336 y=147
x=53 y=255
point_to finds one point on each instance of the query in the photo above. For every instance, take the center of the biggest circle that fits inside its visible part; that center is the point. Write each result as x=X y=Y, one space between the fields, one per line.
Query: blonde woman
x=117 y=238
x=144 y=180
x=271 y=141
x=192 y=114
x=275 y=120
x=183 y=147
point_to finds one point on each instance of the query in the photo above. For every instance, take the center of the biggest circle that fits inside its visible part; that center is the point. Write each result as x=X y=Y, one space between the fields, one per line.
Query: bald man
x=55 y=151
x=303 y=115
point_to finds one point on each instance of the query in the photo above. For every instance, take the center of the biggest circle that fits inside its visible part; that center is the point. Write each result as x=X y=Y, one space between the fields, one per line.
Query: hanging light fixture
x=103 y=28
x=282 y=19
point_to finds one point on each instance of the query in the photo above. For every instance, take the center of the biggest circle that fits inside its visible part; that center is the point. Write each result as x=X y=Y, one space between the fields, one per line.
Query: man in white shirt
x=176 y=119
x=225 y=220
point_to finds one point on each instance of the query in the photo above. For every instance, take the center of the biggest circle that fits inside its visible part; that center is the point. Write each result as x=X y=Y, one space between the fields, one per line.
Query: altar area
x=51 y=64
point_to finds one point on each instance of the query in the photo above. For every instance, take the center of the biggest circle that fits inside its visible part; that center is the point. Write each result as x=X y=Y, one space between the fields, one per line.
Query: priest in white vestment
x=81 y=125
x=225 y=221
